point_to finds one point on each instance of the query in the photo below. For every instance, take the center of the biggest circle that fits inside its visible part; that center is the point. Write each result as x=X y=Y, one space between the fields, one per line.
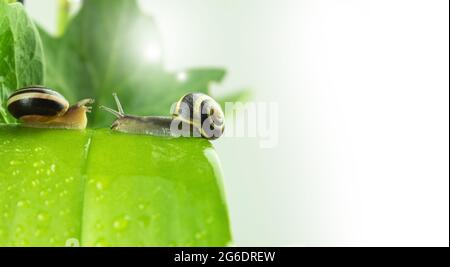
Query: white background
x=363 y=89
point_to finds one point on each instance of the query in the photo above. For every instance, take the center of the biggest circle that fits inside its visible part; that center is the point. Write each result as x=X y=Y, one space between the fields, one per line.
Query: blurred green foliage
x=108 y=189
x=108 y=46
x=111 y=46
x=21 y=62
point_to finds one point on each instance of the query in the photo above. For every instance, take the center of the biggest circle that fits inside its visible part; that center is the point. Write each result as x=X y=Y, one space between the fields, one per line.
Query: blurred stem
x=63 y=16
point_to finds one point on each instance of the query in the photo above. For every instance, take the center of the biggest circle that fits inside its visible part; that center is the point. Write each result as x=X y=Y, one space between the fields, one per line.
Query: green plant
x=21 y=61
x=109 y=190
x=98 y=187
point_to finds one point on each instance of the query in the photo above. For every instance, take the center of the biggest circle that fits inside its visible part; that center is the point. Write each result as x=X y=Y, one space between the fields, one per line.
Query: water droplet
x=99 y=185
x=34 y=183
x=14 y=162
x=6 y=214
x=200 y=235
x=63 y=193
x=19 y=229
x=38 y=163
x=121 y=223
x=20 y=204
x=62 y=213
x=141 y=206
x=99 y=198
x=37 y=233
x=144 y=221
x=42 y=217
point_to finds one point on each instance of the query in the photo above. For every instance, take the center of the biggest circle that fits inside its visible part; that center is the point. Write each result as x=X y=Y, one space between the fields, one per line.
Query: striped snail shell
x=41 y=107
x=203 y=113
x=37 y=102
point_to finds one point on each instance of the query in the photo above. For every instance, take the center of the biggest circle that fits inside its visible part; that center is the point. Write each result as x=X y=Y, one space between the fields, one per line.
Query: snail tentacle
x=119 y=105
x=112 y=111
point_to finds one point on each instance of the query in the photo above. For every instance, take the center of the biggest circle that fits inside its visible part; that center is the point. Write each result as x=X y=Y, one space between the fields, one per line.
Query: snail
x=194 y=115
x=42 y=107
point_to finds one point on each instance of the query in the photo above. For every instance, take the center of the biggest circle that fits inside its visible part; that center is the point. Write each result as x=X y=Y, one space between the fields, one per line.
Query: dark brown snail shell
x=37 y=101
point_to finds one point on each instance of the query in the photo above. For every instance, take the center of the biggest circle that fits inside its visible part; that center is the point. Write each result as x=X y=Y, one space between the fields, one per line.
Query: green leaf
x=21 y=61
x=109 y=189
x=111 y=46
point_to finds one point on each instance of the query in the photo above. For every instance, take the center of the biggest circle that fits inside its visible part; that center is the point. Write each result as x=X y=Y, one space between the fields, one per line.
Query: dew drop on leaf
x=121 y=223
x=99 y=185
x=98 y=226
x=42 y=217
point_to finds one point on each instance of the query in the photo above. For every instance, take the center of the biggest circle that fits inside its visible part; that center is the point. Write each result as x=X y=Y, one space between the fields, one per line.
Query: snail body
x=194 y=115
x=41 y=107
